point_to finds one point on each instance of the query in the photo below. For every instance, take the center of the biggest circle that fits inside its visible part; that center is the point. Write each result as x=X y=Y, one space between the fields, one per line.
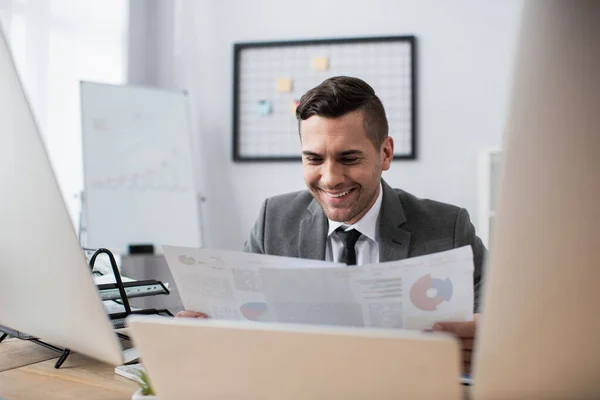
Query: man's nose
x=332 y=174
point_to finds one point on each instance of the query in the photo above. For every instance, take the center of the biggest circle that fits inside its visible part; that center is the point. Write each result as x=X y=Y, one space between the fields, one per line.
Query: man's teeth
x=339 y=194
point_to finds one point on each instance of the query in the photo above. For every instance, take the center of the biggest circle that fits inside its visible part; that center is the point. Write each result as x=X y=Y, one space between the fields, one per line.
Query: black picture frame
x=239 y=48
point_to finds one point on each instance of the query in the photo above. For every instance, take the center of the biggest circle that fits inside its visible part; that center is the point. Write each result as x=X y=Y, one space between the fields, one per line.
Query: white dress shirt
x=367 y=246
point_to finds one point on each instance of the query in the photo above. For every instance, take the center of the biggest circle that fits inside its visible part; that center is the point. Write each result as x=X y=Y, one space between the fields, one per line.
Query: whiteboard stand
x=201 y=199
x=81 y=228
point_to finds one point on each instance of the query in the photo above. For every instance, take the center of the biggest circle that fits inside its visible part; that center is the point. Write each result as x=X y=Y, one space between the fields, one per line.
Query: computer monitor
x=539 y=334
x=46 y=286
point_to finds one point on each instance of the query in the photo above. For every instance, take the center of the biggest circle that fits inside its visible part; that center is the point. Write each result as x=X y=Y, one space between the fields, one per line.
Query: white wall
x=57 y=44
x=465 y=57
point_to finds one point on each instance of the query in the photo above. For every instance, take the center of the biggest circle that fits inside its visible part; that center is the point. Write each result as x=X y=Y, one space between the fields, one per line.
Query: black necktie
x=349 y=239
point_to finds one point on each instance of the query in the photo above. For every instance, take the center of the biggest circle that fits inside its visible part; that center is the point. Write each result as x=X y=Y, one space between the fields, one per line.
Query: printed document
x=413 y=293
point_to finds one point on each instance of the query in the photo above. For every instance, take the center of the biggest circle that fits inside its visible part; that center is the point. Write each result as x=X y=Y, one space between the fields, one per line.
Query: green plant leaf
x=145 y=384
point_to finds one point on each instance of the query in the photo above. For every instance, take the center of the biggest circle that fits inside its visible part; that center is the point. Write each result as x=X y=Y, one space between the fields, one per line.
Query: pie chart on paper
x=255 y=311
x=419 y=297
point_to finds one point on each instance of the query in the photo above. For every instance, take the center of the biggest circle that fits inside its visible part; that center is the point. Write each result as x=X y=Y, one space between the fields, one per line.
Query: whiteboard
x=139 y=185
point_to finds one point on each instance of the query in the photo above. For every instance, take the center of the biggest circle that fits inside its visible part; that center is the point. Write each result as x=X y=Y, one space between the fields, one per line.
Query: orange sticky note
x=320 y=63
x=293 y=106
x=284 y=85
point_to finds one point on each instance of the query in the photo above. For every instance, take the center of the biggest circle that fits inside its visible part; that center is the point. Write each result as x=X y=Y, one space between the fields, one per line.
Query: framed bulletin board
x=270 y=77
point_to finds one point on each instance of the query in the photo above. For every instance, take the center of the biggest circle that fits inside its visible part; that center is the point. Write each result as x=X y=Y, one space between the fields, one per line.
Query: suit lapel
x=394 y=242
x=313 y=233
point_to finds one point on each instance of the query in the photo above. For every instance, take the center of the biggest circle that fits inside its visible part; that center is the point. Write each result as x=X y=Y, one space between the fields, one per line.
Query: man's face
x=342 y=168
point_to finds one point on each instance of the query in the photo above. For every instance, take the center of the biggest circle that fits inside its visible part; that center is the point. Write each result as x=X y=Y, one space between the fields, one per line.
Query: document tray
x=151 y=287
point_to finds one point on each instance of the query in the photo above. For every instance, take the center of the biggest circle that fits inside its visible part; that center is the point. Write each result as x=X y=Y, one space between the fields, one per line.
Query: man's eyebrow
x=310 y=153
x=350 y=153
x=340 y=154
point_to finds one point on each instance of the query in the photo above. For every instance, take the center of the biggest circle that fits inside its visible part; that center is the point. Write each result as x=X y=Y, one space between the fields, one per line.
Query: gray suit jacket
x=294 y=225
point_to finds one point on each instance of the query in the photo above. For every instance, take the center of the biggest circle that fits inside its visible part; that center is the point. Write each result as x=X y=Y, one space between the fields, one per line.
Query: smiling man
x=349 y=214
x=345 y=148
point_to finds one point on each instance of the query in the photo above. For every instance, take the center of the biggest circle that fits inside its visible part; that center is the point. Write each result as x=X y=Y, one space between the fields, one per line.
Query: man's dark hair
x=341 y=95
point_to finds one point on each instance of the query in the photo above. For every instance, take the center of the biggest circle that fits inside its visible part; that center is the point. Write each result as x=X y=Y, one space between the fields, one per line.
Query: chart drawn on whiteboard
x=165 y=175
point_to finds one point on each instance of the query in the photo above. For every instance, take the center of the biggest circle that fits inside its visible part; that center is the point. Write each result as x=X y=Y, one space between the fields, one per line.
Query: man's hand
x=465 y=331
x=190 y=314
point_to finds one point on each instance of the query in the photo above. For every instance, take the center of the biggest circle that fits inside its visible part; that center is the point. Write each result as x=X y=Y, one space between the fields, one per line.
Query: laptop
x=46 y=286
x=216 y=359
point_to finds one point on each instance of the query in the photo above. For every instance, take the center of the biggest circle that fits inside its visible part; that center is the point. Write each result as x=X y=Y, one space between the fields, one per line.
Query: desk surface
x=79 y=377
x=15 y=353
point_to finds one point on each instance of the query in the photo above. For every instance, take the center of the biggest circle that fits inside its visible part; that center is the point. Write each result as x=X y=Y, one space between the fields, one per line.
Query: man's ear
x=387 y=153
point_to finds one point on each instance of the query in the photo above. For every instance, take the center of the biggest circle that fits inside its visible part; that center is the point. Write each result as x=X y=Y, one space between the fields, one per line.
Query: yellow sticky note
x=284 y=85
x=320 y=63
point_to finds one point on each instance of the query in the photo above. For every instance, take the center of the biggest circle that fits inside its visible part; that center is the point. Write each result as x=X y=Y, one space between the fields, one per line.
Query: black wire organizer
x=119 y=291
